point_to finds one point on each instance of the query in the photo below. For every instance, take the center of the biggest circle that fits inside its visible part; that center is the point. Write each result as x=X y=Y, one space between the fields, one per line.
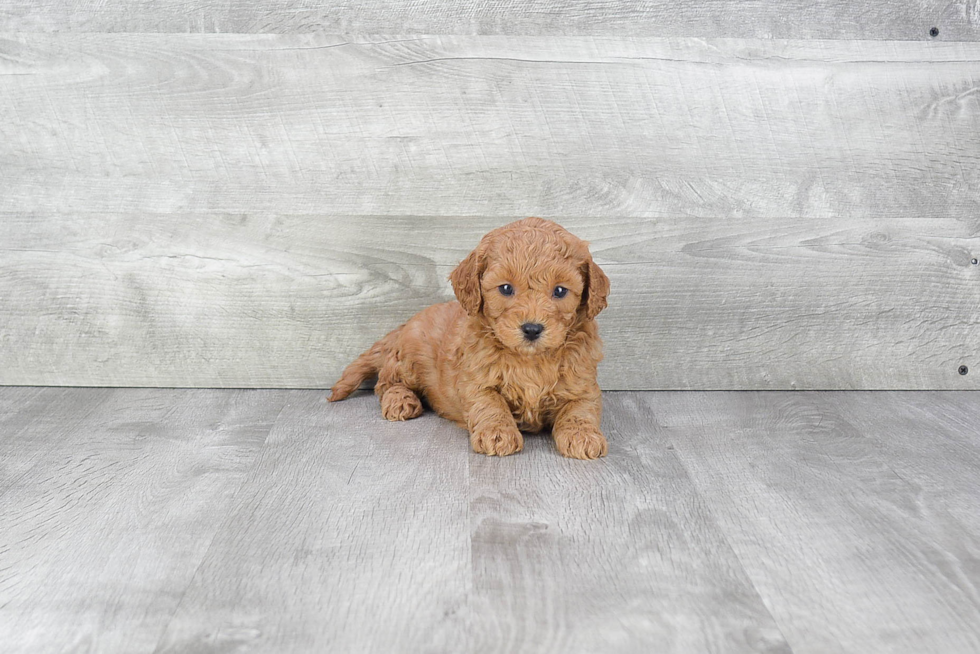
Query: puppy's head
x=531 y=282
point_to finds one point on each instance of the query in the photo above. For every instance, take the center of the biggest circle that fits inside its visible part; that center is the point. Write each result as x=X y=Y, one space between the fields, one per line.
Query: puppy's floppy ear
x=596 y=289
x=466 y=281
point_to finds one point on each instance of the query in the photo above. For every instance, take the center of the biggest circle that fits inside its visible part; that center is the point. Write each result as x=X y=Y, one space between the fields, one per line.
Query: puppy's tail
x=365 y=366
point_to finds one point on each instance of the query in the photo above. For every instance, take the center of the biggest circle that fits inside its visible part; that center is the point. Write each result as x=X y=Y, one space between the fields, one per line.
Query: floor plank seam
x=214 y=536
x=76 y=420
x=728 y=543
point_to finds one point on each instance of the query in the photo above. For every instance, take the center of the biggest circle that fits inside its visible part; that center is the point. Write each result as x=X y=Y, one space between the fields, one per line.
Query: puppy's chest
x=533 y=396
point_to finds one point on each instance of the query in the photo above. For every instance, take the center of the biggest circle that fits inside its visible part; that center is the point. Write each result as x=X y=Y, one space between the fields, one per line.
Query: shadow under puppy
x=518 y=351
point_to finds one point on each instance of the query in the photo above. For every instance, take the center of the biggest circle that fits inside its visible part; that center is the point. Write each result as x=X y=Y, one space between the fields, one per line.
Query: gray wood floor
x=140 y=520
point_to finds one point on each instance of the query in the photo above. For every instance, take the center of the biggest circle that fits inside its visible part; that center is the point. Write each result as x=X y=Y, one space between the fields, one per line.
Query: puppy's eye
x=560 y=292
x=506 y=289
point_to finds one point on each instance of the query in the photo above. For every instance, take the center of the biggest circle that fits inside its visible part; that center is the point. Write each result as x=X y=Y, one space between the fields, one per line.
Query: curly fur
x=470 y=361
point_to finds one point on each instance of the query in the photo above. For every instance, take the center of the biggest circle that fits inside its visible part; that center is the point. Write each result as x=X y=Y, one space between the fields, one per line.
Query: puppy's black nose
x=532 y=330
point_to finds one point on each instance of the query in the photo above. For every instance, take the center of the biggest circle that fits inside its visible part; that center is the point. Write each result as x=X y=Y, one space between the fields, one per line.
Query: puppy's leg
x=493 y=430
x=576 y=430
x=398 y=401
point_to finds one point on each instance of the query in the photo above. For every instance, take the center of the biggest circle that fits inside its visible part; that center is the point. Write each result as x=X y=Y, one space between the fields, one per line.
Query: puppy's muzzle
x=532 y=330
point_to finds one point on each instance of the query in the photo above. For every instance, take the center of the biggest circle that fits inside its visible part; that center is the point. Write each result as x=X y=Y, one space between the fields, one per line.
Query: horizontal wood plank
x=202 y=210
x=287 y=301
x=814 y=19
x=494 y=126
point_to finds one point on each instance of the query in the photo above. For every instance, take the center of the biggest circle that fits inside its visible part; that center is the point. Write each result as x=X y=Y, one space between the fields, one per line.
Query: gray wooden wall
x=785 y=195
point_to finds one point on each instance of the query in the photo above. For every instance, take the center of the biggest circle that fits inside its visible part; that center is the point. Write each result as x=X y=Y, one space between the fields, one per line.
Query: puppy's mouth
x=533 y=343
x=530 y=346
x=528 y=338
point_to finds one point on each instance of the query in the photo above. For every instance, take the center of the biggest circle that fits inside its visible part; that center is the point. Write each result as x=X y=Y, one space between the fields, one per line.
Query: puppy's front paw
x=400 y=403
x=497 y=442
x=581 y=443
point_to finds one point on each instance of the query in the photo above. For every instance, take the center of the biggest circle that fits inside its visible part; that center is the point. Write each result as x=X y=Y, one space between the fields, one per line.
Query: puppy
x=517 y=352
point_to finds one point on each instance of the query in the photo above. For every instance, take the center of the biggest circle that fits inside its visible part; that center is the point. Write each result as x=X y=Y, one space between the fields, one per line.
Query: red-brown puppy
x=517 y=352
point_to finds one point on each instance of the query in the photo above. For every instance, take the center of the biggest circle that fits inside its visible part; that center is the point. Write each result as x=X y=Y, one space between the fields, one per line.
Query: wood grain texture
x=818 y=19
x=166 y=520
x=344 y=539
x=848 y=553
x=940 y=462
x=495 y=126
x=619 y=556
x=287 y=301
x=341 y=528
x=25 y=412
x=104 y=529
x=239 y=210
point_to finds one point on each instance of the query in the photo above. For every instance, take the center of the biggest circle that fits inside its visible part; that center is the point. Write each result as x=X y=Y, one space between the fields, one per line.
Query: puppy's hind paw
x=400 y=403
x=497 y=442
x=581 y=443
